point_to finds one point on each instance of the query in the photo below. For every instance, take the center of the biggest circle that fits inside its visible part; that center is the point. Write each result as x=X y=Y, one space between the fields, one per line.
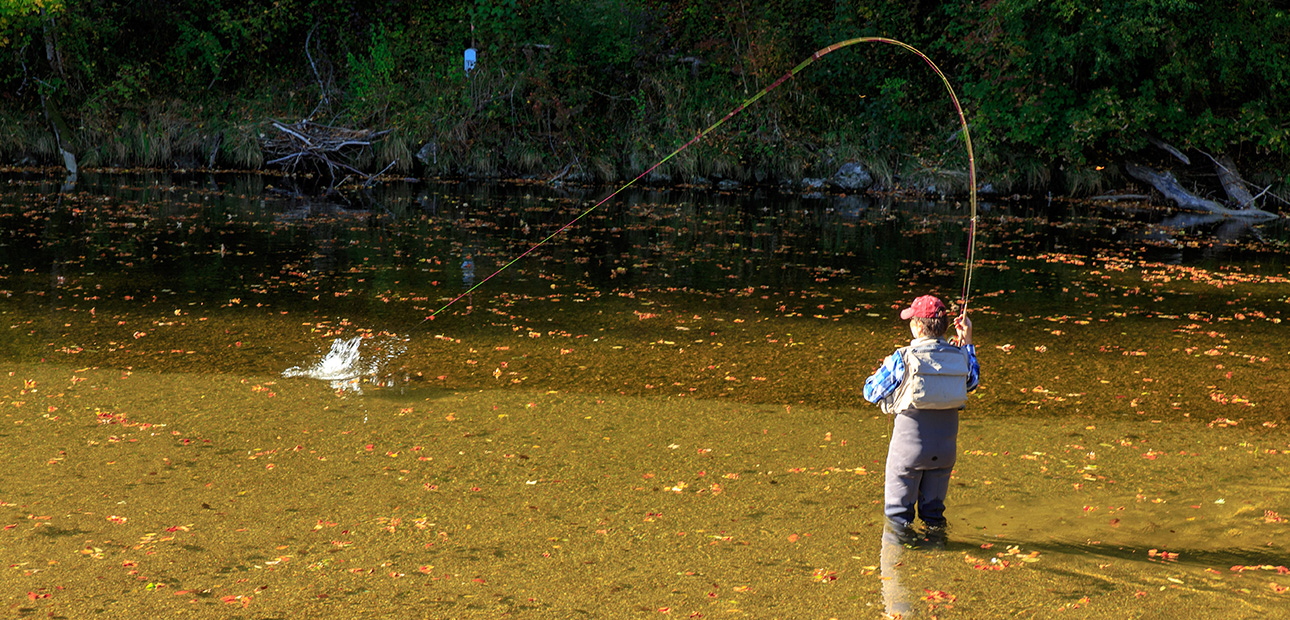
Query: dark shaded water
x=212 y=235
x=222 y=400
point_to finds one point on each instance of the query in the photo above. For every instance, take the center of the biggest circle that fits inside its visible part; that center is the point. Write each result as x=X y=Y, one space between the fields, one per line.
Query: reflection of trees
x=679 y=238
x=1227 y=228
x=1226 y=231
x=697 y=239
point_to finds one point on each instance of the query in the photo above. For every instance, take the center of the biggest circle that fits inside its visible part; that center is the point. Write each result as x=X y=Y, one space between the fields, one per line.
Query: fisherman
x=924 y=385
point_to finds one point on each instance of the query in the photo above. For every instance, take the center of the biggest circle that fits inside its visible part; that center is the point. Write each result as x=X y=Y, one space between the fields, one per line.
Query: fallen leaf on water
x=823 y=576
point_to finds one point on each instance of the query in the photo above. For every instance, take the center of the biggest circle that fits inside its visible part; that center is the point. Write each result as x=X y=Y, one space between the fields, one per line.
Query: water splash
x=351 y=361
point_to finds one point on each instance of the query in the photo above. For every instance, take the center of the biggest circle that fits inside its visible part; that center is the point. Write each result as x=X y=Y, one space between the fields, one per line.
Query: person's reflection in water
x=468 y=279
x=897 y=541
x=468 y=271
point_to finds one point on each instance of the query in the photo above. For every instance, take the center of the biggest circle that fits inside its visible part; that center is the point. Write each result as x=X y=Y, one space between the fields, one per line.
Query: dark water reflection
x=214 y=234
x=140 y=247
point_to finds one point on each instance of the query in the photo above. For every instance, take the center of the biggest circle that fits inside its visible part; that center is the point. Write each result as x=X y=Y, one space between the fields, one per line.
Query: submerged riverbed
x=222 y=401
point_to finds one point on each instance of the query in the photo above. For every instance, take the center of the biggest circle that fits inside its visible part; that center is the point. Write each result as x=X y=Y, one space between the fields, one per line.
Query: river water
x=225 y=400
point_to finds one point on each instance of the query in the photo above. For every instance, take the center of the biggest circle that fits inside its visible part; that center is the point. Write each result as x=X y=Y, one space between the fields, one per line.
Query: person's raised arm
x=963 y=325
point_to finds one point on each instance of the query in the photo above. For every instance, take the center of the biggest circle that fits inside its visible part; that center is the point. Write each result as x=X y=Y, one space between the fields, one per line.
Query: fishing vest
x=936 y=375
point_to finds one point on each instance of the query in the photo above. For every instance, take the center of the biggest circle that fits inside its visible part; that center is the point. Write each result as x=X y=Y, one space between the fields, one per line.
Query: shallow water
x=656 y=416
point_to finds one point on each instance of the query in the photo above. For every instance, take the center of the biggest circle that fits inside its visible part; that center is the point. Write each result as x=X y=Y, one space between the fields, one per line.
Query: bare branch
x=322 y=88
x=383 y=171
x=1170 y=149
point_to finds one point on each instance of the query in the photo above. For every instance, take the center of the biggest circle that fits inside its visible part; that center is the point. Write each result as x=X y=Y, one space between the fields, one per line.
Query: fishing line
x=967 y=140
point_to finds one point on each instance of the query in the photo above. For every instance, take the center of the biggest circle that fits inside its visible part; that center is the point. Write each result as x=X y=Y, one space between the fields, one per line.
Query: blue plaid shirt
x=887 y=378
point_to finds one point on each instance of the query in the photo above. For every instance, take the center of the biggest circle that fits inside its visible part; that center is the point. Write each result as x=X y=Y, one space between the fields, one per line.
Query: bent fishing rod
x=958 y=108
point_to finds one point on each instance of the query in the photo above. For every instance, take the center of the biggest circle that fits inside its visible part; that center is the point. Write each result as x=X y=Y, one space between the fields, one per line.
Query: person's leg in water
x=920 y=458
x=933 y=487
x=901 y=492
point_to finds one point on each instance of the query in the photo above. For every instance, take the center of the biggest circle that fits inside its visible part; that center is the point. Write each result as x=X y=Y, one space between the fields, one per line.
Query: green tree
x=20 y=20
x=1085 y=81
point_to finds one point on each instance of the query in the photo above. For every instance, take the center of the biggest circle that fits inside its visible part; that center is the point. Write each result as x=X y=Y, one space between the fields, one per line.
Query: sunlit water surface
x=223 y=401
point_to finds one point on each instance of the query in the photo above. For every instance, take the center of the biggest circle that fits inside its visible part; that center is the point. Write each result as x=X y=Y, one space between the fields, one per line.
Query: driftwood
x=1168 y=185
x=323 y=147
x=1237 y=189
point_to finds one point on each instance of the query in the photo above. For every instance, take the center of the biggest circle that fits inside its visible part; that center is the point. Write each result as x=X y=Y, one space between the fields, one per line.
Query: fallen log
x=1168 y=185
x=334 y=149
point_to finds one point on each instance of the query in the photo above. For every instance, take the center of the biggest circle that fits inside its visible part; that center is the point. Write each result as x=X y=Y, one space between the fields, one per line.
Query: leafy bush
x=1057 y=92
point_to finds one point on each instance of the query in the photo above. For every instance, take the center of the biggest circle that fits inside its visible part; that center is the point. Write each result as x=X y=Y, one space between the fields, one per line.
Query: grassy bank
x=599 y=91
x=496 y=124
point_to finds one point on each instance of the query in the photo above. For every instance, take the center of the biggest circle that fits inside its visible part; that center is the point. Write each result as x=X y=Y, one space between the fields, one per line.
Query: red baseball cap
x=925 y=307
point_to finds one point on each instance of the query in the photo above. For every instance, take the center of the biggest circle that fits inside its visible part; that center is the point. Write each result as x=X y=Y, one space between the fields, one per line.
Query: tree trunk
x=52 y=54
x=1167 y=184
x=1232 y=183
x=62 y=135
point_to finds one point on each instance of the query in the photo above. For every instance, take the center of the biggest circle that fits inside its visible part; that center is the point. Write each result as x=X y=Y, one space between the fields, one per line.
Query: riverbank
x=596 y=92
x=164 y=141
